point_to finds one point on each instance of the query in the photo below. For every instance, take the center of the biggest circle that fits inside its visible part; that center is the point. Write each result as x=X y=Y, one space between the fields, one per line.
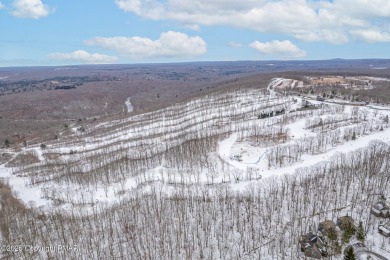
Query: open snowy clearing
x=128 y=104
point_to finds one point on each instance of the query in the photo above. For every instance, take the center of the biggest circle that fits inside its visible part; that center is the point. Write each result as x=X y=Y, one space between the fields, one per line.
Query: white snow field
x=129 y=106
x=249 y=143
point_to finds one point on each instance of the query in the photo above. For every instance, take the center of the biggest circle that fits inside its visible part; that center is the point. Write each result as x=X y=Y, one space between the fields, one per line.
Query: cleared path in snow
x=129 y=106
x=225 y=147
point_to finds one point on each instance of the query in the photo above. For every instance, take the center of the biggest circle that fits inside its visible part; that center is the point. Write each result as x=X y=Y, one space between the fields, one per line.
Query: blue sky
x=55 y=32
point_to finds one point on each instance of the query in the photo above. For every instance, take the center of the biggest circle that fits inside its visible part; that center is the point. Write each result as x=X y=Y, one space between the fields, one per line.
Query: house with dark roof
x=313 y=246
x=384 y=229
x=381 y=209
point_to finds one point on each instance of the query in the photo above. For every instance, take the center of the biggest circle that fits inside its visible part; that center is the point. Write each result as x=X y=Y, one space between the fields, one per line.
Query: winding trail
x=361 y=255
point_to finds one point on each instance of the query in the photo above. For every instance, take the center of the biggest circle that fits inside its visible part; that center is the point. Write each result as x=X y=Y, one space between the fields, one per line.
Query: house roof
x=387 y=224
x=384 y=229
x=310 y=240
x=378 y=206
x=381 y=206
x=313 y=252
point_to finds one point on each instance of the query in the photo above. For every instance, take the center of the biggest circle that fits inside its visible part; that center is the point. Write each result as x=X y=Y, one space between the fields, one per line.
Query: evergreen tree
x=333 y=239
x=349 y=254
x=353 y=136
x=360 y=232
x=336 y=248
x=347 y=235
x=332 y=234
x=6 y=143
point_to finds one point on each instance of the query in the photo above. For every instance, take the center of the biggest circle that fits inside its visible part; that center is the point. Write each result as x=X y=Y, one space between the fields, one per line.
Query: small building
x=327 y=226
x=313 y=246
x=384 y=229
x=381 y=210
x=345 y=222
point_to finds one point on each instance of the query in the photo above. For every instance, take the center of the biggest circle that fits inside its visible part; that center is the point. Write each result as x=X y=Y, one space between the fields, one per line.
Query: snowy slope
x=236 y=140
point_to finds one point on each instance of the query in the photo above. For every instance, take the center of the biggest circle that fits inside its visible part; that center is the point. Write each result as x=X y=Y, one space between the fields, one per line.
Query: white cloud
x=2 y=6
x=312 y=20
x=372 y=35
x=170 y=44
x=332 y=36
x=84 y=57
x=129 y=6
x=284 y=49
x=34 y=9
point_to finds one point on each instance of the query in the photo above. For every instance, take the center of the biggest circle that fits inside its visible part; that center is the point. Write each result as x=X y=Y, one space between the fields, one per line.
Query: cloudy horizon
x=48 y=32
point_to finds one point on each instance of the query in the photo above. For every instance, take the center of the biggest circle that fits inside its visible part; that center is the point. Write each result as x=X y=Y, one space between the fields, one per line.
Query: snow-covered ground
x=365 y=256
x=129 y=106
x=158 y=130
x=376 y=78
x=31 y=195
x=252 y=138
x=306 y=161
x=285 y=83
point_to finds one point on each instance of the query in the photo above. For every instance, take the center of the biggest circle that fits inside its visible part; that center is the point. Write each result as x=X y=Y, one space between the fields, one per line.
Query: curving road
x=360 y=255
